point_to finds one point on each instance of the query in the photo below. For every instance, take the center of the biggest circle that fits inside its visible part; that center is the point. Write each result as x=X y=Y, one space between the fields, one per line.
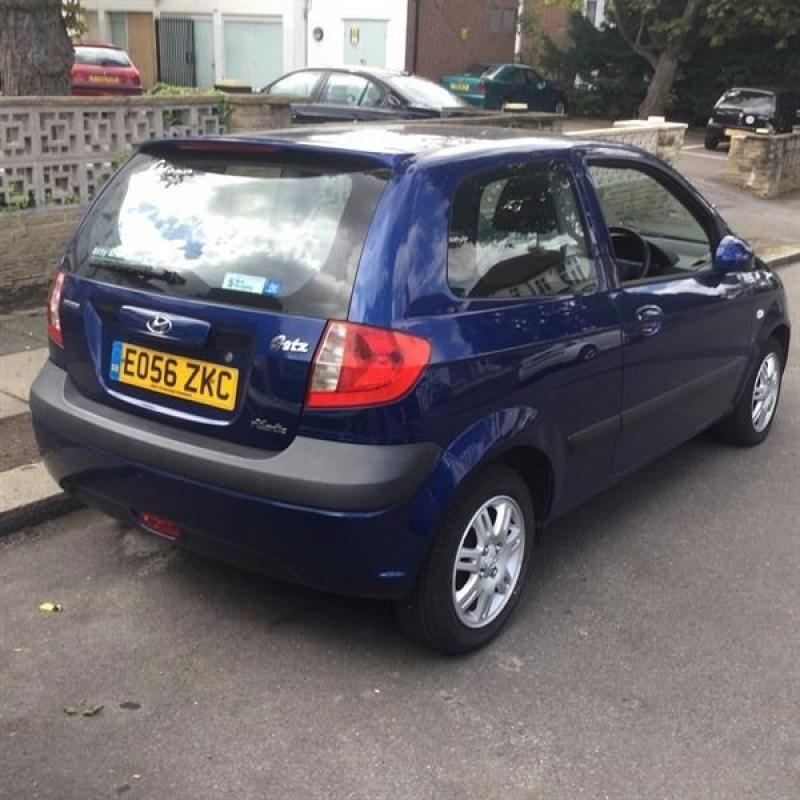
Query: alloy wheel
x=488 y=561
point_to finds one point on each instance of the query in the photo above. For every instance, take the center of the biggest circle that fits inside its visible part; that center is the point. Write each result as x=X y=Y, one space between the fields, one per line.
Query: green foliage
x=171 y=117
x=612 y=79
x=171 y=90
x=752 y=60
x=74 y=18
x=778 y=19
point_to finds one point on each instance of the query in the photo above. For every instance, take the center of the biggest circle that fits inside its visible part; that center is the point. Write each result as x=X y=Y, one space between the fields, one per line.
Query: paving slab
x=11 y=406
x=22 y=330
x=28 y=495
x=17 y=371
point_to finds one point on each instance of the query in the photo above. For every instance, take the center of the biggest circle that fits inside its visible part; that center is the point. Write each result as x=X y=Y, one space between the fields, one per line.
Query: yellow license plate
x=459 y=87
x=104 y=79
x=188 y=378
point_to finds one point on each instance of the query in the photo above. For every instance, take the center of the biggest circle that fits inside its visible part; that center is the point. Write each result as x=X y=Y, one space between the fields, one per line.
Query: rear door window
x=343 y=89
x=278 y=235
x=517 y=232
x=298 y=84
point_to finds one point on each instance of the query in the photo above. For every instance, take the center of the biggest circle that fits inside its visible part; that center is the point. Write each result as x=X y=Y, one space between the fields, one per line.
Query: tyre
x=750 y=422
x=711 y=142
x=476 y=568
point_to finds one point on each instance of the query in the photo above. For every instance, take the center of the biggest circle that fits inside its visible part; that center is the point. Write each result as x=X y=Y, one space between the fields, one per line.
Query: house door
x=253 y=51
x=365 y=42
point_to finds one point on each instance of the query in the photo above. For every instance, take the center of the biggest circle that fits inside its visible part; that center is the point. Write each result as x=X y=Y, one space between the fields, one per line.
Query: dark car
x=364 y=94
x=495 y=86
x=103 y=69
x=378 y=364
x=759 y=110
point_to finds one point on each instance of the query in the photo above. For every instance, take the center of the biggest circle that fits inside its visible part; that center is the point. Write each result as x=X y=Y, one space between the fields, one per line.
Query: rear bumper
x=332 y=515
x=104 y=90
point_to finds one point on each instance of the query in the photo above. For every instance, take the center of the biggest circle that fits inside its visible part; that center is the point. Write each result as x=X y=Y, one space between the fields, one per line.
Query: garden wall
x=766 y=165
x=55 y=152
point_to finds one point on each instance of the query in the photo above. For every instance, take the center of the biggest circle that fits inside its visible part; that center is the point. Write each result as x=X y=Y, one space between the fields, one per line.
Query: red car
x=103 y=69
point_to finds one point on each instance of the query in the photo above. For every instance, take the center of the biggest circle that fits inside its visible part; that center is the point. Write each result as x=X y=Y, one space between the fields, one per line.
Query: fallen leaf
x=84 y=709
x=50 y=608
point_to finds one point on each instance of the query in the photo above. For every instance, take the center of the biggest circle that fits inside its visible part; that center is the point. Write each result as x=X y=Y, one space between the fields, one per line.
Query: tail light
x=136 y=79
x=481 y=88
x=54 y=309
x=358 y=365
x=160 y=525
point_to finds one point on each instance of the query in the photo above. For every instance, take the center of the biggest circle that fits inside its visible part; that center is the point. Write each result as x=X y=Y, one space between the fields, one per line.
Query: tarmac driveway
x=656 y=655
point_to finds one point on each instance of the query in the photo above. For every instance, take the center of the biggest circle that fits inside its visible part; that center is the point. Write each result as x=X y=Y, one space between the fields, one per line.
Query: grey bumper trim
x=310 y=472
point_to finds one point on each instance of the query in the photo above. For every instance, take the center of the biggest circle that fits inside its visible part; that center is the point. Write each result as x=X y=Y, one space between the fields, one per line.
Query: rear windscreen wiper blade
x=143 y=270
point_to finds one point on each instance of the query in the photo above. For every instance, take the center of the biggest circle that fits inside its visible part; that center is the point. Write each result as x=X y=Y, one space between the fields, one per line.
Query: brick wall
x=456 y=33
x=552 y=21
x=767 y=165
x=31 y=243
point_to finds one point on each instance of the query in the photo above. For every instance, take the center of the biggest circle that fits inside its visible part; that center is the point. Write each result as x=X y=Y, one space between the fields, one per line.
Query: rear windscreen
x=280 y=236
x=101 y=57
x=761 y=103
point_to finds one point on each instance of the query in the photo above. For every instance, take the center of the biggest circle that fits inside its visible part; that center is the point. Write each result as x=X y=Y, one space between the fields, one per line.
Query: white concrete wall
x=329 y=15
x=289 y=12
x=601 y=11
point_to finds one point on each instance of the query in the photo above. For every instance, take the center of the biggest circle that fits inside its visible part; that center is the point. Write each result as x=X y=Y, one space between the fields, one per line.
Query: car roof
x=397 y=142
x=106 y=45
x=763 y=89
x=377 y=72
x=393 y=143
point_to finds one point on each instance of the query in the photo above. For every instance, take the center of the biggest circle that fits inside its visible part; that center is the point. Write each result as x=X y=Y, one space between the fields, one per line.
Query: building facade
x=202 y=42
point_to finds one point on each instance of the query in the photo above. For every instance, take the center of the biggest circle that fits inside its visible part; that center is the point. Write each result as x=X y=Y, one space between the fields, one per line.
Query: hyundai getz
x=378 y=361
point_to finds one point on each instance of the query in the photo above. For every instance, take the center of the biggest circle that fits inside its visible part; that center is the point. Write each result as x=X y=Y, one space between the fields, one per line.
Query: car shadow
x=287 y=613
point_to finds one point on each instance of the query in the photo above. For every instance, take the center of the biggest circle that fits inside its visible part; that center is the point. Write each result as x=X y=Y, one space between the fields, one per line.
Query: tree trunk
x=661 y=85
x=35 y=50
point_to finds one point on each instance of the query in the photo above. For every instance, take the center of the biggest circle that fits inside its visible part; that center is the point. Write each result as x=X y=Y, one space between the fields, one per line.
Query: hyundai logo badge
x=159 y=324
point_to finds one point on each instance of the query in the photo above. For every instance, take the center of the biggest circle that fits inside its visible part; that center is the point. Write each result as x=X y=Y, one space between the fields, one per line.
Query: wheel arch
x=783 y=335
x=536 y=469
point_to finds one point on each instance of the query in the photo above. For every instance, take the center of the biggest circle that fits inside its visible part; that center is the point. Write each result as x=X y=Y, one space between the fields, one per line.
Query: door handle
x=650 y=319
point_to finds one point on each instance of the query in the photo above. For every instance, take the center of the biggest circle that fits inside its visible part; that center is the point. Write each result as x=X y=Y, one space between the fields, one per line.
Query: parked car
x=379 y=364
x=763 y=110
x=493 y=86
x=101 y=69
x=364 y=94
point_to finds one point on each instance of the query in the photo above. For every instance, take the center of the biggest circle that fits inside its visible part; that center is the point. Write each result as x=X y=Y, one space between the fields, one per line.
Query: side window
x=533 y=78
x=517 y=77
x=653 y=232
x=373 y=96
x=301 y=84
x=517 y=233
x=343 y=89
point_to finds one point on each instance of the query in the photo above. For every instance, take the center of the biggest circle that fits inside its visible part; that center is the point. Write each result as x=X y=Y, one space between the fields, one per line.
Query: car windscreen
x=242 y=231
x=425 y=94
x=101 y=57
x=762 y=103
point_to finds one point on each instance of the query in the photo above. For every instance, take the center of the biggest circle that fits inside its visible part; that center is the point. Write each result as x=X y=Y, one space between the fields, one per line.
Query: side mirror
x=734 y=255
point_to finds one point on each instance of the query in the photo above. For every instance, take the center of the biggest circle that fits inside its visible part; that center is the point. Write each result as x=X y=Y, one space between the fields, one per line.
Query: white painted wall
x=601 y=11
x=289 y=12
x=329 y=15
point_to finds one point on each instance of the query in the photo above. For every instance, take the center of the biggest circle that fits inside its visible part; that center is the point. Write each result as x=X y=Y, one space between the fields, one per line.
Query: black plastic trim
x=310 y=472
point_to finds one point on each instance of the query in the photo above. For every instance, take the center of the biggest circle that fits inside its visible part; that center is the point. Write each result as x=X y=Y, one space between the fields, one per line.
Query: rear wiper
x=142 y=270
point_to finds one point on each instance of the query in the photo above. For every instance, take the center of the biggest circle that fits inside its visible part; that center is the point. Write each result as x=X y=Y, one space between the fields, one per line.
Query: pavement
x=27 y=493
x=655 y=655
x=772 y=226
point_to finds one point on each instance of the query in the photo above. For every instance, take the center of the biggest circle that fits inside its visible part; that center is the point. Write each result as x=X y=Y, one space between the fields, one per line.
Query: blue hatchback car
x=377 y=361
